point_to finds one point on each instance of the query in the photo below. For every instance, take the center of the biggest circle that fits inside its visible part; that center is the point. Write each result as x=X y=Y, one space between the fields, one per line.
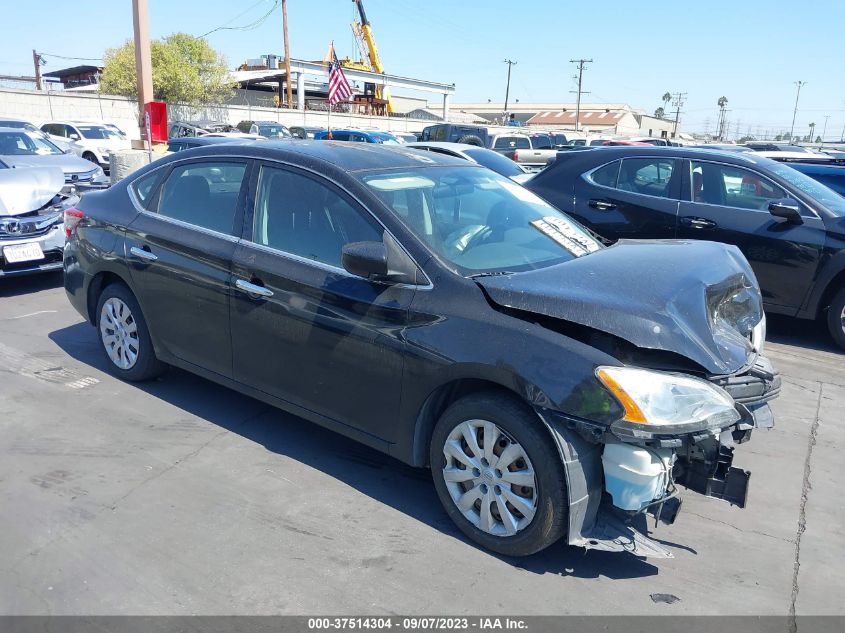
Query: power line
x=84 y=59
x=245 y=27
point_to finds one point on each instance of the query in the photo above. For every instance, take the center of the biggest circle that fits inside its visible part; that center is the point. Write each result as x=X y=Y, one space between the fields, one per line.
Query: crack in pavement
x=739 y=529
x=802 y=511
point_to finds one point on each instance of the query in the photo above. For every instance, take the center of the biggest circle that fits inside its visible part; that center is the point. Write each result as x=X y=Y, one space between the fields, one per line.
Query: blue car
x=831 y=175
x=360 y=136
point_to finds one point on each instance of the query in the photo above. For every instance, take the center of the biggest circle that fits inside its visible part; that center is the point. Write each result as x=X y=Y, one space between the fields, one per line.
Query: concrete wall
x=40 y=106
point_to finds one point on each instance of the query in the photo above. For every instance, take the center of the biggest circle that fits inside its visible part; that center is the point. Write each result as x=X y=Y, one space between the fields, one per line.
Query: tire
x=90 y=157
x=134 y=359
x=519 y=430
x=836 y=318
x=471 y=139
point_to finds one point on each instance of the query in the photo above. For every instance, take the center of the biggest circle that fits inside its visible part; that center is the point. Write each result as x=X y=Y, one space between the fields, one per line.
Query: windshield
x=273 y=131
x=826 y=196
x=97 y=132
x=25 y=144
x=495 y=161
x=480 y=222
x=385 y=139
x=20 y=125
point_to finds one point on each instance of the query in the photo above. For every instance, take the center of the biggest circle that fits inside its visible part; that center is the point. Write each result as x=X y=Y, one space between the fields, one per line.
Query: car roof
x=613 y=152
x=350 y=157
x=204 y=140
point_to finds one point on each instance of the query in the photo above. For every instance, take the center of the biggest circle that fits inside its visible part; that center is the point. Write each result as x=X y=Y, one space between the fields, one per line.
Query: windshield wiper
x=495 y=273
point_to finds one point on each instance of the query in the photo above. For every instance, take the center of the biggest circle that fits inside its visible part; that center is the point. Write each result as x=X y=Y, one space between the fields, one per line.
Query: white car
x=95 y=140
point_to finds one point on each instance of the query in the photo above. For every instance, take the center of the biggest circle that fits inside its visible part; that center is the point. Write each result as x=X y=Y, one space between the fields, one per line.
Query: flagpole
x=331 y=60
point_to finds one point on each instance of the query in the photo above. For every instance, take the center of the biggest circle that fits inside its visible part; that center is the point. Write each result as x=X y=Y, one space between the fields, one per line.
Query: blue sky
x=748 y=50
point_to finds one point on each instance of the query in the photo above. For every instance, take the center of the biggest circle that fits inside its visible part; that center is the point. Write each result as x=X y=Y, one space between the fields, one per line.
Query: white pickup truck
x=532 y=151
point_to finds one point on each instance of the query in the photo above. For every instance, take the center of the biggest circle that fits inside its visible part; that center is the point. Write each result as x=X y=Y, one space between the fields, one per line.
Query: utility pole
x=677 y=102
x=824 y=127
x=287 y=53
x=580 y=63
x=795 y=111
x=510 y=63
x=36 y=59
x=143 y=61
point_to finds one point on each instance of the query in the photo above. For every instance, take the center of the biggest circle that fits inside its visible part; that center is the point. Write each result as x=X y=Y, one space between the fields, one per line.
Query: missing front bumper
x=718 y=478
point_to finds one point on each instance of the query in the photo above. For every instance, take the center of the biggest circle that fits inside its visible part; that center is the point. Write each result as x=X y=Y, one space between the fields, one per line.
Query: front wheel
x=124 y=337
x=498 y=475
x=836 y=318
x=90 y=157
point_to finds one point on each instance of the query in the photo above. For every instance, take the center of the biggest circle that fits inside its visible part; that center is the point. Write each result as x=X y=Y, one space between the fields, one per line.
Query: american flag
x=339 y=88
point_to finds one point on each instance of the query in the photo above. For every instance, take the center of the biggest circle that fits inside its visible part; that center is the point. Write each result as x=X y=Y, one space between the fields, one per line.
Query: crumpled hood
x=697 y=299
x=28 y=188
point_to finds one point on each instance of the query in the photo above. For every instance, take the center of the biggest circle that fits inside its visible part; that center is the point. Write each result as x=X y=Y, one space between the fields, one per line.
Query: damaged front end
x=32 y=205
x=691 y=382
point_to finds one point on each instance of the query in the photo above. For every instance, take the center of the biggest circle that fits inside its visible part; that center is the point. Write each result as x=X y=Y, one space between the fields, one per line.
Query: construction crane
x=364 y=33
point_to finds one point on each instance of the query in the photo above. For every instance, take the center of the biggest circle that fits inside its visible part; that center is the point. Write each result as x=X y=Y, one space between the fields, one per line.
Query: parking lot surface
x=183 y=497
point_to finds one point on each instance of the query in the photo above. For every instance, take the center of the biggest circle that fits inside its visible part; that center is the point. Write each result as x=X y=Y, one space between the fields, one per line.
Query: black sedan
x=789 y=226
x=441 y=313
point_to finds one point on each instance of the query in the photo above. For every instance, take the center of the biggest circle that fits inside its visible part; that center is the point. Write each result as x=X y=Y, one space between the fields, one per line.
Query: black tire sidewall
x=471 y=139
x=147 y=365
x=89 y=156
x=834 y=320
x=513 y=416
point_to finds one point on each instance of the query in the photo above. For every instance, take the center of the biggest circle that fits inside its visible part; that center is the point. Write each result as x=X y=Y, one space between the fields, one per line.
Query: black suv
x=441 y=313
x=789 y=226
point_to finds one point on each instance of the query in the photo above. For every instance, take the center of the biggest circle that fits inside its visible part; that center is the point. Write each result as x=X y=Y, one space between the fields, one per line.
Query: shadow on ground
x=29 y=284
x=801 y=333
x=409 y=490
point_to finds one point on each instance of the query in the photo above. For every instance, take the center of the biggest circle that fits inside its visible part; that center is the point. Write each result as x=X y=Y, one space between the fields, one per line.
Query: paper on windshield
x=564 y=233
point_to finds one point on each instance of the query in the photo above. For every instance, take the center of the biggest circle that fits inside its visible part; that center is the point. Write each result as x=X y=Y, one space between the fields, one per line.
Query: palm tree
x=659 y=113
x=812 y=129
x=667 y=97
x=722 y=102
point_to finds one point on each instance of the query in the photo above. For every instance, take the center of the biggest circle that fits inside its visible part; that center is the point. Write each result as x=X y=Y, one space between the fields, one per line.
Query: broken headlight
x=665 y=404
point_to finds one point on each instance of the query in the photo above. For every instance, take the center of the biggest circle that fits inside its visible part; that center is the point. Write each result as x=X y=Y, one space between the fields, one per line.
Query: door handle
x=253 y=289
x=602 y=205
x=143 y=253
x=698 y=223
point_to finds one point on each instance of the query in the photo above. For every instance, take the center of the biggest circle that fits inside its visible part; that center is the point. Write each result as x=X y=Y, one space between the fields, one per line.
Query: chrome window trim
x=814 y=213
x=137 y=204
x=633 y=193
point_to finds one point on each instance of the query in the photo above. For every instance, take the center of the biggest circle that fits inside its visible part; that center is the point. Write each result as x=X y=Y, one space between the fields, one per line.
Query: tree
x=666 y=98
x=812 y=129
x=779 y=137
x=659 y=113
x=185 y=70
x=818 y=139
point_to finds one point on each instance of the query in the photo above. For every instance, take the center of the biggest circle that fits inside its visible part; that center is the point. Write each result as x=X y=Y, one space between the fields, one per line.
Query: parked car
x=483 y=156
x=768 y=146
x=436 y=311
x=358 y=136
x=238 y=135
x=831 y=175
x=457 y=133
x=95 y=140
x=305 y=132
x=187 y=129
x=66 y=145
x=180 y=144
x=520 y=149
x=405 y=137
x=789 y=226
x=267 y=129
x=22 y=148
x=33 y=201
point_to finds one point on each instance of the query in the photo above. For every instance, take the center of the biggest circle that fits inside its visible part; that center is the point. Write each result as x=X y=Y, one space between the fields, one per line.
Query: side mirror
x=787 y=209
x=365 y=259
x=74 y=137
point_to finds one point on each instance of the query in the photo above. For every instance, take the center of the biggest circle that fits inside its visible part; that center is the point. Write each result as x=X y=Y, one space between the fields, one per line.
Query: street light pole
x=795 y=111
x=143 y=59
x=510 y=63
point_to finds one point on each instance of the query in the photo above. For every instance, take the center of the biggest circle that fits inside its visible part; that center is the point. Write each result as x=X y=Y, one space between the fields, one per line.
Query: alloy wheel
x=119 y=333
x=490 y=478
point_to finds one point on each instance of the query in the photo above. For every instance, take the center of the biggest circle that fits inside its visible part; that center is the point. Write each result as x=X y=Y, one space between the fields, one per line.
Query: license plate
x=23 y=252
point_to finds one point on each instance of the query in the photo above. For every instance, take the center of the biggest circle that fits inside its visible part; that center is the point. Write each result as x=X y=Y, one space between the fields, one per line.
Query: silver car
x=22 y=148
x=33 y=201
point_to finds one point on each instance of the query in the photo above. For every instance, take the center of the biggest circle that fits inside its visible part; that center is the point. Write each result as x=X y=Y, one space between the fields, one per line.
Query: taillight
x=73 y=216
x=515 y=156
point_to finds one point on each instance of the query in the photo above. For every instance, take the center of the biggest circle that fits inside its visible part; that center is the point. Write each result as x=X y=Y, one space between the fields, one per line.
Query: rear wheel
x=89 y=156
x=124 y=337
x=498 y=475
x=836 y=318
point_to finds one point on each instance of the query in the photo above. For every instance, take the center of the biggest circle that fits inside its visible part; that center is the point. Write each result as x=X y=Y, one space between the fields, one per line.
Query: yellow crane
x=364 y=32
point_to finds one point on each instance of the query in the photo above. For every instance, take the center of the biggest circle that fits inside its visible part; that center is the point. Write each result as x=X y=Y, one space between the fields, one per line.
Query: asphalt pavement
x=182 y=497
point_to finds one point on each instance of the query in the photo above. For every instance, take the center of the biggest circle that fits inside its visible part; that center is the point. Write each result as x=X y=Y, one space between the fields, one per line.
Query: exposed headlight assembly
x=666 y=404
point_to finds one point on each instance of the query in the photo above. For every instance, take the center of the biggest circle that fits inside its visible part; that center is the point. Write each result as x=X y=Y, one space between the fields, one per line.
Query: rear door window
x=647 y=176
x=204 y=194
